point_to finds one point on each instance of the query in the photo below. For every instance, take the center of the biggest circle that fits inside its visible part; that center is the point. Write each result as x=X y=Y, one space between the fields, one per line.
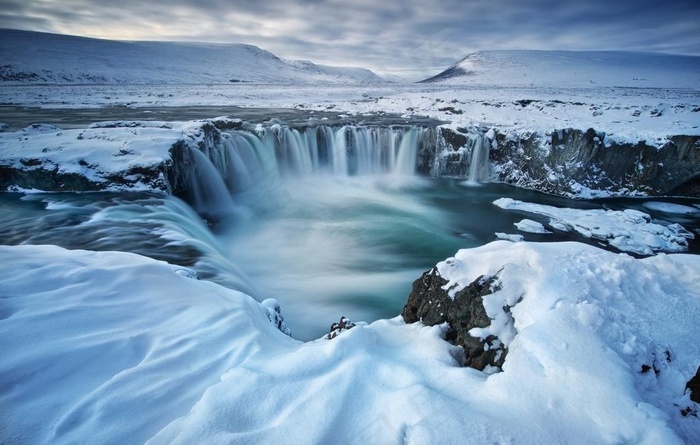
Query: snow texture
x=40 y=58
x=119 y=348
x=627 y=230
x=509 y=237
x=530 y=226
x=99 y=151
x=574 y=68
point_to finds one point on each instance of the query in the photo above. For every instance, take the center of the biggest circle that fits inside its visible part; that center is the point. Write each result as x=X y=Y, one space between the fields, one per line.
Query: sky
x=413 y=39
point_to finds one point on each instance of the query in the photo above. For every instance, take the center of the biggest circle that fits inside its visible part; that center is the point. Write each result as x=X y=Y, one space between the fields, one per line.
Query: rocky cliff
x=170 y=157
x=574 y=162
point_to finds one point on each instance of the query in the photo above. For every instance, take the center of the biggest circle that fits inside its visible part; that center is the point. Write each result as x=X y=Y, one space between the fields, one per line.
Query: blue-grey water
x=323 y=246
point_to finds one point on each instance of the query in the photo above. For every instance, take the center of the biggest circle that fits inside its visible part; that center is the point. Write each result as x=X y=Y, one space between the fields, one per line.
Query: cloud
x=413 y=37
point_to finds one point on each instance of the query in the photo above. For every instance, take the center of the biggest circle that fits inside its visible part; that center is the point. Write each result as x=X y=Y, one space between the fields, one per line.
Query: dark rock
x=431 y=304
x=694 y=386
x=572 y=158
x=426 y=151
x=451 y=110
x=337 y=328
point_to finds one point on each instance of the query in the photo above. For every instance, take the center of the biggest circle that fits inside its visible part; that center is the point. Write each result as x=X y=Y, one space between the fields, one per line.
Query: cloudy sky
x=412 y=38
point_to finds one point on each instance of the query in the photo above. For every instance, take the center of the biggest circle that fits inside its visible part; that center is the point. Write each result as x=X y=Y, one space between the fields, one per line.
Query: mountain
x=573 y=69
x=32 y=58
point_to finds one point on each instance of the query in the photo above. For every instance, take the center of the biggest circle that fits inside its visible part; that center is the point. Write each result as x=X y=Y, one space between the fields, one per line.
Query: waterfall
x=207 y=191
x=479 y=166
x=339 y=151
x=406 y=155
x=241 y=163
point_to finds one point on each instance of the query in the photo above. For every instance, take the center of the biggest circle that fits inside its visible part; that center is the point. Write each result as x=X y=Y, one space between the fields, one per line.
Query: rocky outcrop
x=431 y=304
x=345 y=324
x=693 y=386
x=570 y=161
x=162 y=156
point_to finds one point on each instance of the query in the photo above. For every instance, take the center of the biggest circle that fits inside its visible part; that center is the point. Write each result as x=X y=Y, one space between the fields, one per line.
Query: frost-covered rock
x=274 y=314
x=126 y=155
x=576 y=163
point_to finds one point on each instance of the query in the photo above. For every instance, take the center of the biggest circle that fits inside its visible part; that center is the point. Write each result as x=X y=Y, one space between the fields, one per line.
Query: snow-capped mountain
x=574 y=69
x=33 y=58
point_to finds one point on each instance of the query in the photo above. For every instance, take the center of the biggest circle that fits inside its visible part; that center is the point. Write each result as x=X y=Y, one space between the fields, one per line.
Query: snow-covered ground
x=100 y=151
x=119 y=348
x=573 y=69
x=634 y=97
x=123 y=349
x=624 y=115
x=41 y=58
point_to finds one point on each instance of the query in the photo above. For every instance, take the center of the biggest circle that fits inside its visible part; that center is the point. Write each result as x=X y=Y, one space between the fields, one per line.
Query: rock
x=430 y=303
x=570 y=160
x=694 y=386
x=337 y=328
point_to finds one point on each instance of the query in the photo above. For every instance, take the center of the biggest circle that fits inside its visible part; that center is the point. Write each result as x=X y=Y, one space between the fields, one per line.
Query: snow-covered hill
x=40 y=58
x=573 y=69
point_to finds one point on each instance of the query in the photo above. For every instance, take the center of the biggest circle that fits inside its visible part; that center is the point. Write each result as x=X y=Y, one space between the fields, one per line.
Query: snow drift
x=124 y=349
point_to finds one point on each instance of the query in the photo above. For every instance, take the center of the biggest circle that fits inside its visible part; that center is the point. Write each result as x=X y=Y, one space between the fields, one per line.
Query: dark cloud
x=414 y=37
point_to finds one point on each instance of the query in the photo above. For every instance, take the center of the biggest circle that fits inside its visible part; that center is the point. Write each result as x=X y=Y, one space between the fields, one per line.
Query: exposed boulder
x=430 y=303
x=345 y=324
x=694 y=386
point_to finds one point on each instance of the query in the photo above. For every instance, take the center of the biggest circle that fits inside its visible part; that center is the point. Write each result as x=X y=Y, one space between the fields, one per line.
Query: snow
x=574 y=68
x=41 y=58
x=123 y=349
x=118 y=348
x=638 y=97
x=509 y=237
x=627 y=230
x=99 y=151
x=530 y=226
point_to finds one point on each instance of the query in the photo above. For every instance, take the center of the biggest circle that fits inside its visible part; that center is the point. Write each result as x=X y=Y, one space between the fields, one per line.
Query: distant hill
x=573 y=68
x=33 y=58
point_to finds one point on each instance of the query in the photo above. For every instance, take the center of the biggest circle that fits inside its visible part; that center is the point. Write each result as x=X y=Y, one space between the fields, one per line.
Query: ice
x=509 y=237
x=627 y=230
x=530 y=226
x=671 y=208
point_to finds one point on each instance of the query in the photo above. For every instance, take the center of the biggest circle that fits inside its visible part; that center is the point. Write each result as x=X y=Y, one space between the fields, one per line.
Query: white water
x=479 y=165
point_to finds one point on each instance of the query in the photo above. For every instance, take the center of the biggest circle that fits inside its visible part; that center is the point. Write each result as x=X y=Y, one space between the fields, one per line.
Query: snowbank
x=106 y=156
x=118 y=348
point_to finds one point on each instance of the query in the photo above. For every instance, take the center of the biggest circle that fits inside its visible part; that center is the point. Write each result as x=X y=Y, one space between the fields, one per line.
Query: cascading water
x=406 y=156
x=245 y=158
x=479 y=166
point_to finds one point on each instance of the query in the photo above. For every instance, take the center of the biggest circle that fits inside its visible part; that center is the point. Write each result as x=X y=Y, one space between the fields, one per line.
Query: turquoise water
x=323 y=246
